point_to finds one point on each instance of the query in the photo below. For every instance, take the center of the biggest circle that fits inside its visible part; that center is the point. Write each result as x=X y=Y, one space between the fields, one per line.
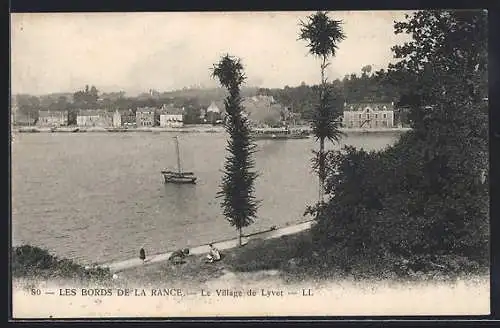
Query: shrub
x=413 y=200
x=33 y=262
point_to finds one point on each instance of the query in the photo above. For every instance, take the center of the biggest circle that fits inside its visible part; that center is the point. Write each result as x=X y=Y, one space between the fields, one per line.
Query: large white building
x=368 y=115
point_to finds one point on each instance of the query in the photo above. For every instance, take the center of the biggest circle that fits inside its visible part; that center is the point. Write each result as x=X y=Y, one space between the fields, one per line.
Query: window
x=359 y=115
x=385 y=115
x=376 y=115
x=368 y=116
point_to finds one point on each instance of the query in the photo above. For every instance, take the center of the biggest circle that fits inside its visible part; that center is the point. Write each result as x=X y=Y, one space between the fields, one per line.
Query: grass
x=33 y=263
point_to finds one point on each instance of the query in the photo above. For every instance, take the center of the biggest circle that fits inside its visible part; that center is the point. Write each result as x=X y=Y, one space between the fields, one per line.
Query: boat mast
x=178 y=154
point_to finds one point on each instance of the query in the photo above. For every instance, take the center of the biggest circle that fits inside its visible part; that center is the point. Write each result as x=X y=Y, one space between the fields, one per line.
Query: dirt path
x=222 y=245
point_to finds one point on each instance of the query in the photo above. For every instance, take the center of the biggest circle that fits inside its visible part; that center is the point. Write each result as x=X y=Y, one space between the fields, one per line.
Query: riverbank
x=185 y=129
x=203 y=249
x=291 y=259
x=288 y=253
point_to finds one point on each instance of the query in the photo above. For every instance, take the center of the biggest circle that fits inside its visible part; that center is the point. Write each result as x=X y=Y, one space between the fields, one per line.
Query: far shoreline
x=185 y=129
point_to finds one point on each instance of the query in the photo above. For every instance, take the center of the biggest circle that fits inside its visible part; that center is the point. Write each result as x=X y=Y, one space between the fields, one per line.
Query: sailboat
x=178 y=177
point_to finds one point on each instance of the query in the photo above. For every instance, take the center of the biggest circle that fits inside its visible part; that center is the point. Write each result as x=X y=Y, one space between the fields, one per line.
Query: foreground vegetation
x=34 y=263
x=294 y=257
x=295 y=260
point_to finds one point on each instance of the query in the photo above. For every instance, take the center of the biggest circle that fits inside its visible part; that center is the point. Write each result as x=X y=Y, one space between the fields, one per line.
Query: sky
x=135 y=52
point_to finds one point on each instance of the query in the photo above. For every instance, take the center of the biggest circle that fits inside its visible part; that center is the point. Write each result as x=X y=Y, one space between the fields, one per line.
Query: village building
x=123 y=117
x=117 y=119
x=52 y=118
x=203 y=115
x=368 y=115
x=171 y=116
x=128 y=117
x=23 y=119
x=213 y=113
x=146 y=116
x=94 y=118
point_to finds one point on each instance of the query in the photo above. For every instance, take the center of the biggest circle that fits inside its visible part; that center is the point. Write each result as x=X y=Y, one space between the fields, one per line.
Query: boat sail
x=178 y=177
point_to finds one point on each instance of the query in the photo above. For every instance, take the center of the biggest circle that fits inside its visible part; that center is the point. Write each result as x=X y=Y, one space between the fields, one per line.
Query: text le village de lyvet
x=236 y=293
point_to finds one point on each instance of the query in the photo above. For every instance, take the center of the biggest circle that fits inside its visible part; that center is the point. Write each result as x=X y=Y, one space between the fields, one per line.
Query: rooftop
x=213 y=108
x=47 y=113
x=171 y=110
x=372 y=106
x=146 y=109
x=92 y=112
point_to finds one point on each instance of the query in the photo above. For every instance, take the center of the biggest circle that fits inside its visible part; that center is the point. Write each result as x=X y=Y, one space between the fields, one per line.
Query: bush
x=416 y=199
x=33 y=262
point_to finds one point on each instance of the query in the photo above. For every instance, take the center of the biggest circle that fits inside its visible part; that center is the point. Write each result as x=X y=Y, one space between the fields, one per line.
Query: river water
x=99 y=197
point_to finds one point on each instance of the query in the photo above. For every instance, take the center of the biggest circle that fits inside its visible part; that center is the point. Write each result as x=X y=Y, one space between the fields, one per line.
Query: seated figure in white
x=213 y=254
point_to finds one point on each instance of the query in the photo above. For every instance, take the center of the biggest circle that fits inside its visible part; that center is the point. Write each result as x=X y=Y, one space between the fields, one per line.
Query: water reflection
x=181 y=198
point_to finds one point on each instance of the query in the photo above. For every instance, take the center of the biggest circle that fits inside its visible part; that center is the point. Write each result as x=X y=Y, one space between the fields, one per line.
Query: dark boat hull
x=179 y=178
x=279 y=137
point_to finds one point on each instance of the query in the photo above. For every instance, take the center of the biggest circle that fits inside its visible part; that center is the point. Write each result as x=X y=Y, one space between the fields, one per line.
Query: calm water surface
x=98 y=197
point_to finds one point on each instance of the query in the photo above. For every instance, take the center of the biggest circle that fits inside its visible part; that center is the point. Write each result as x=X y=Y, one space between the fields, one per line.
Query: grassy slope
x=291 y=255
x=33 y=263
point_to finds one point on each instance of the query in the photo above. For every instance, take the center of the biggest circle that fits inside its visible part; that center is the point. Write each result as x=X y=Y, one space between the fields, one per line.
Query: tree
x=323 y=35
x=448 y=117
x=426 y=196
x=28 y=105
x=87 y=98
x=366 y=70
x=239 y=204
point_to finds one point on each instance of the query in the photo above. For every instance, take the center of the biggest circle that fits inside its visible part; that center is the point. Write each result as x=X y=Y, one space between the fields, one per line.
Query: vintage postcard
x=250 y=164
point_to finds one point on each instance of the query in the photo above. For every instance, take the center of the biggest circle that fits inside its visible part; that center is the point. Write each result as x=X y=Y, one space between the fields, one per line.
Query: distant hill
x=207 y=95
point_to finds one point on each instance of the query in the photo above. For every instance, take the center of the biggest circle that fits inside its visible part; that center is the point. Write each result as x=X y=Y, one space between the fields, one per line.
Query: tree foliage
x=322 y=34
x=239 y=204
x=33 y=262
x=425 y=196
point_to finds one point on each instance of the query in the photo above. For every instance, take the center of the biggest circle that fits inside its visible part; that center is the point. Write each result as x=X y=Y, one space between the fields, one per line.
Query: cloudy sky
x=134 y=52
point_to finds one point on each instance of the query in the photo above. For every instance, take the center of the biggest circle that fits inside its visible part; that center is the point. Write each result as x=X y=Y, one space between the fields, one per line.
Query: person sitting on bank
x=177 y=256
x=213 y=254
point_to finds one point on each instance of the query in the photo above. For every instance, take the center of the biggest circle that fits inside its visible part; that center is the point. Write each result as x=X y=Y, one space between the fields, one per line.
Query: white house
x=52 y=118
x=368 y=115
x=213 y=113
x=213 y=108
x=171 y=117
x=94 y=118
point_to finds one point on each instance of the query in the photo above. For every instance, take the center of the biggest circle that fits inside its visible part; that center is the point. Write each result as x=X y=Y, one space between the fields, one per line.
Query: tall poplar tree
x=239 y=204
x=323 y=35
